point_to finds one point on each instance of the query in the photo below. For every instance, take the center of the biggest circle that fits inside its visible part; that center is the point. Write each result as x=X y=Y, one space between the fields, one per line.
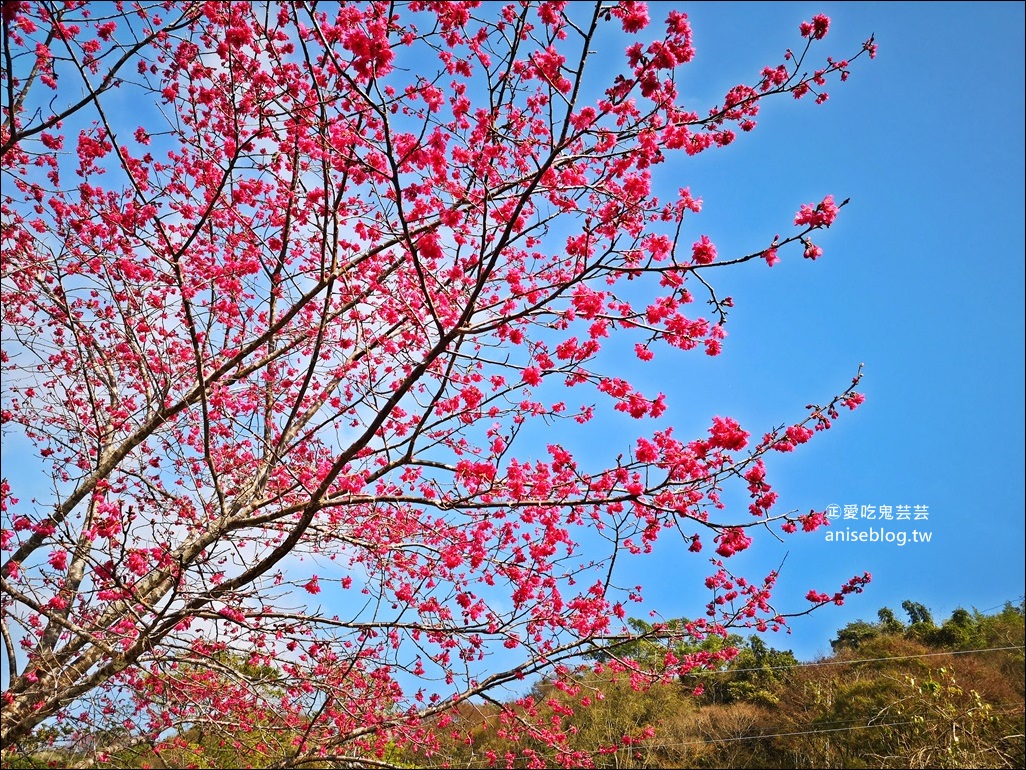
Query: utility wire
x=710 y=741
x=852 y=662
x=849 y=726
x=810 y=732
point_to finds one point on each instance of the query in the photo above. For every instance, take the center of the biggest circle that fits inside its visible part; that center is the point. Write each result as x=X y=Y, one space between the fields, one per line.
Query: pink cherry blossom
x=347 y=289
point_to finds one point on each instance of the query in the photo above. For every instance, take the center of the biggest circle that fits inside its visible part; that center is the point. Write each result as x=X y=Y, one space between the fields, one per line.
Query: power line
x=1004 y=604
x=710 y=741
x=848 y=725
x=809 y=732
x=858 y=660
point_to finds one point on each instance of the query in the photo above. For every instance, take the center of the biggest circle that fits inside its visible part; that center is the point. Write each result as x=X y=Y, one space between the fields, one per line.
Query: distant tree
x=854 y=635
x=918 y=615
x=889 y=624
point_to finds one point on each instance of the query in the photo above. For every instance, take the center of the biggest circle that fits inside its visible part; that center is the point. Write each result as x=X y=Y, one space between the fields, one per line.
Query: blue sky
x=922 y=281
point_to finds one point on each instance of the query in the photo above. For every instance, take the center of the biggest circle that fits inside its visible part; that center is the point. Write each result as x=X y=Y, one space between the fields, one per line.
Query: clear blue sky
x=922 y=281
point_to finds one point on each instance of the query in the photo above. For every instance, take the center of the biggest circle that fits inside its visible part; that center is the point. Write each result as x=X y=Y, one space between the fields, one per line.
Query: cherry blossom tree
x=303 y=309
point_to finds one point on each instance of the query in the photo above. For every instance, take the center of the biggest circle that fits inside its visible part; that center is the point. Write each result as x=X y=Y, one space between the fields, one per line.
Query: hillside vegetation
x=892 y=694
